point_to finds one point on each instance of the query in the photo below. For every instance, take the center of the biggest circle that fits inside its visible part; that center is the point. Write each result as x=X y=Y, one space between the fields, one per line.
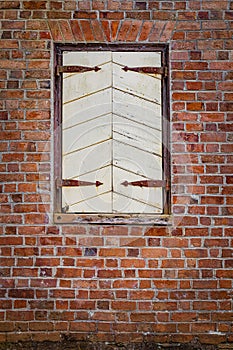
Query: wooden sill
x=113 y=219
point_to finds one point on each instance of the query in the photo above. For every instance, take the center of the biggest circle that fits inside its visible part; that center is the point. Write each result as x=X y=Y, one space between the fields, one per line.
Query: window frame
x=115 y=218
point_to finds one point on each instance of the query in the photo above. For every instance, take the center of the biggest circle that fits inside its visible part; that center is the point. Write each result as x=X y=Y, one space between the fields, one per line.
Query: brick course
x=118 y=283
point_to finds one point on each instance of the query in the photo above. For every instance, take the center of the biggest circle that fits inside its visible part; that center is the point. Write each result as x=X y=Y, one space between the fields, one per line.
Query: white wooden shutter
x=137 y=136
x=112 y=133
x=87 y=132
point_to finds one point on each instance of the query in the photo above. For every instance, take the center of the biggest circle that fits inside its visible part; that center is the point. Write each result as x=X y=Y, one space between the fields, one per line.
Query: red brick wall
x=122 y=283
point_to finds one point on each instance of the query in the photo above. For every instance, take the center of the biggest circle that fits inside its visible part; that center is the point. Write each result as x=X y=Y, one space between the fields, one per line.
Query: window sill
x=111 y=219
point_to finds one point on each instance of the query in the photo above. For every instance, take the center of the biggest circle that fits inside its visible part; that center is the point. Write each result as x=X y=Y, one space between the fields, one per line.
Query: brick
x=114 y=231
x=132 y=242
x=154 y=252
x=97 y=30
x=114 y=29
x=194 y=85
x=85 y=14
x=10 y=5
x=55 y=15
x=10 y=135
x=128 y=263
x=111 y=15
x=140 y=317
x=82 y=304
x=123 y=30
x=68 y=272
x=216 y=242
x=150 y=273
x=142 y=295
x=123 y=305
x=116 y=252
x=183 y=96
x=87 y=30
x=106 y=28
x=175 y=242
x=19 y=315
x=109 y=273
x=195 y=106
x=212 y=200
x=156 y=31
x=162 y=306
x=156 y=231
x=145 y=30
x=123 y=284
x=214 y=263
x=138 y=15
x=214 y=117
x=167 y=32
x=34 y=5
x=75 y=27
x=134 y=31
x=169 y=263
x=98 y=5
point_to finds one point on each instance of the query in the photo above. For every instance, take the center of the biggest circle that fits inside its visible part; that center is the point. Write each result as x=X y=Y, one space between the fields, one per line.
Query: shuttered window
x=112 y=140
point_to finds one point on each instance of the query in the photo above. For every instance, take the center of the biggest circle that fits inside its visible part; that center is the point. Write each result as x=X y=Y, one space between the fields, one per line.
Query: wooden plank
x=137 y=161
x=142 y=85
x=76 y=86
x=87 y=160
x=151 y=196
x=87 y=108
x=86 y=58
x=100 y=204
x=137 y=135
x=87 y=134
x=126 y=205
x=138 y=109
x=137 y=59
x=79 y=197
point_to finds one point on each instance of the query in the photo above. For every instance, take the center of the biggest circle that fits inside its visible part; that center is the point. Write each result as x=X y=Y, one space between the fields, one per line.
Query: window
x=111 y=147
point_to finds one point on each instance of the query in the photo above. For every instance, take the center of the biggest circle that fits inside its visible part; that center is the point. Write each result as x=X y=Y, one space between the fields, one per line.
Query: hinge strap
x=76 y=183
x=75 y=69
x=146 y=183
x=147 y=70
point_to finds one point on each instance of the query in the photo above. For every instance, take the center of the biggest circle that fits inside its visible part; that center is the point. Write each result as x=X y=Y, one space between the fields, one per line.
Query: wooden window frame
x=134 y=219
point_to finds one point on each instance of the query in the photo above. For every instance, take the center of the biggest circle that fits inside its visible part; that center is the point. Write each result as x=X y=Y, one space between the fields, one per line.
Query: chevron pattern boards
x=87 y=132
x=112 y=132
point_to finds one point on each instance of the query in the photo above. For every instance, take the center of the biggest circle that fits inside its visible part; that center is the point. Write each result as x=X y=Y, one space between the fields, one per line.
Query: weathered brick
x=124 y=29
x=87 y=30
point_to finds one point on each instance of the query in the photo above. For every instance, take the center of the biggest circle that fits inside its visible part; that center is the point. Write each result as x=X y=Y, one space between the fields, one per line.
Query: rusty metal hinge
x=148 y=70
x=145 y=183
x=75 y=69
x=148 y=183
x=76 y=183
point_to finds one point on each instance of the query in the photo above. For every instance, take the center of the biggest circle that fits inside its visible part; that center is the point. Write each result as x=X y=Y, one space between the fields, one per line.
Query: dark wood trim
x=166 y=133
x=57 y=130
x=60 y=47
